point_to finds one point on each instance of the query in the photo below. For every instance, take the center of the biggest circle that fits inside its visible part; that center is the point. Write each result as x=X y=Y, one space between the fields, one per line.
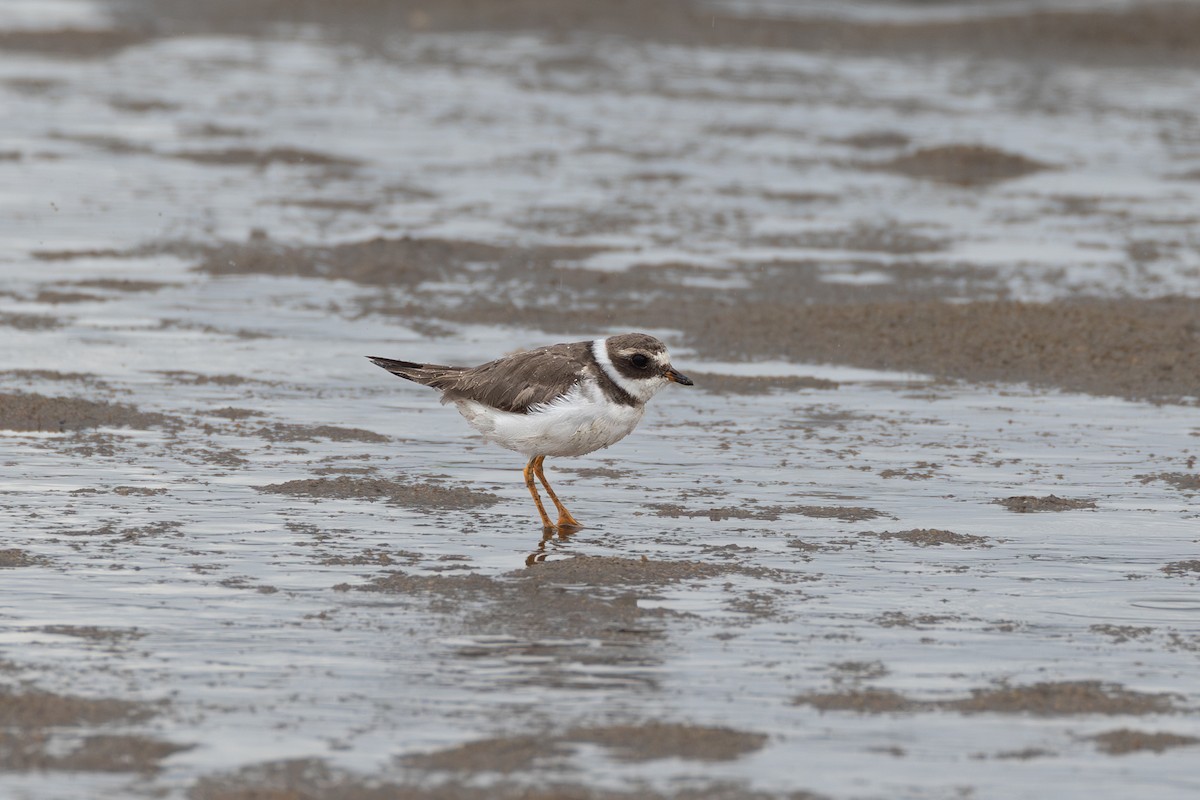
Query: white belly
x=579 y=422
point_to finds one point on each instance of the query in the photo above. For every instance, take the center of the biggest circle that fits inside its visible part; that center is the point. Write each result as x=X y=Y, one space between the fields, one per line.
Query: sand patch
x=1026 y=504
x=261 y=159
x=1125 y=741
x=962 y=165
x=932 y=537
x=282 y=432
x=1179 y=569
x=771 y=513
x=412 y=495
x=33 y=708
x=35 y=412
x=29 y=322
x=375 y=262
x=16 y=557
x=1188 y=482
x=656 y=740
x=1068 y=698
x=503 y=755
x=99 y=753
x=718 y=383
x=309 y=779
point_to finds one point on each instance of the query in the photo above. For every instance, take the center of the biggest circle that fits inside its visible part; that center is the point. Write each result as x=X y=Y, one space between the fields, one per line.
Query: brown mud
x=309 y=779
x=35 y=412
x=1025 y=504
x=1142 y=349
x=403 y=493
x=1040 y=699
x=1150 y=34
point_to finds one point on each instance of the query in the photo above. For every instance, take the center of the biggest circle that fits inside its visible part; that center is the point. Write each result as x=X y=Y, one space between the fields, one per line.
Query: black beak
x=677 y=376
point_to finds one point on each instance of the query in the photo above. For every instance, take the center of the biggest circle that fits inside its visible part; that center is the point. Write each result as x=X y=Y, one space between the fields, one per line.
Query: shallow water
x=273 y=626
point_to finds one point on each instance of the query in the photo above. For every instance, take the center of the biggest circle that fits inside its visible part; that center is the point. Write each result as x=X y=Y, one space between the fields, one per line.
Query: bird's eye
x=640 y=361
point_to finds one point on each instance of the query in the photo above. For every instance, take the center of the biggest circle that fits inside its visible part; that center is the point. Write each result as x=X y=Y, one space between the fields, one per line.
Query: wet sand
x=924 y=527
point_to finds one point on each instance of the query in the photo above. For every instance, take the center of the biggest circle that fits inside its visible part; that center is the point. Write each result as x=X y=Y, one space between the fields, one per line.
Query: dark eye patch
x=639 y=360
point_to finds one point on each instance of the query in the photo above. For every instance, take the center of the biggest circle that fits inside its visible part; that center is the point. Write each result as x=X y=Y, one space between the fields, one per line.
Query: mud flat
x=925 y=527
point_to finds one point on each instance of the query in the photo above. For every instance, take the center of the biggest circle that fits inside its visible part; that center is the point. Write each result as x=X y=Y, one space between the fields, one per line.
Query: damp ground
x=925 y=527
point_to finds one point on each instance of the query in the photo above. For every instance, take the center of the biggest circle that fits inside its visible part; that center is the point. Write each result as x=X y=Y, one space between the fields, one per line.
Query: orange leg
x=565 y=520
x=530 y=471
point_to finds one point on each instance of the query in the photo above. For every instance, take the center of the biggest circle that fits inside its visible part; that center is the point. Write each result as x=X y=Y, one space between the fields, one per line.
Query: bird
x=565 y=399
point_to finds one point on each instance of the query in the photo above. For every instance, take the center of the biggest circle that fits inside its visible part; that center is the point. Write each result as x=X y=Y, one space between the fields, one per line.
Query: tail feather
x=426 y=374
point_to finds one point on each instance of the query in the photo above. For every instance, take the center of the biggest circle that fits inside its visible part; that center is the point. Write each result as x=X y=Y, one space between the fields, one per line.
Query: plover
x=561 y=400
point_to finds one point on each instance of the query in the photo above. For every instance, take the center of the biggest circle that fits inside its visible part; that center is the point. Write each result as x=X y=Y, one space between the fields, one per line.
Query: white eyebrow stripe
x=600 y=352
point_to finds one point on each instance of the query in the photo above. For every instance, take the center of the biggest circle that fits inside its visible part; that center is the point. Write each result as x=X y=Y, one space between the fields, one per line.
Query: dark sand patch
x=16 y=557
x=355 y=206
x=656 y=740
x=54 y=375
x=52 y=297
x=863 y=701
x=599 y=472
x=861 y=238
x=197 y=379
x=141 y=105
x=313 y=779
x=1062 y=699
x=455 y=587
x=371 y=557
x=123 y=285
x=1122 y=633
x=1143 y=34
x=1179 y=569
x=898 y=619
x=73 y=43
x=504 y=755
x=1125 y=741
x=961 y=165
x=35 y=412
x=604 y=571
x=921 y=471
x=1068 y=698
x=858 y=670
x=772 y=513
x=281 y=432
x=719 y=383
x=138 y=491
x=113 y=533
x=261 y=159
x=932 y=537
x=29 y=322
x=873 y=140
x=232 y=413
x=93 y=633
x=1183 y=481
x=1026 y=504
x=1025 y=754
x=403 y=493
x=374 y=262
x=1133 y=348
x=71 y=255
x=100 y=753
x=32 y=708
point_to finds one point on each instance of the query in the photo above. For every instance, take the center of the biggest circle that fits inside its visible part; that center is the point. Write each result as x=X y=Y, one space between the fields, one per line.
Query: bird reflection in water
x=557 y=539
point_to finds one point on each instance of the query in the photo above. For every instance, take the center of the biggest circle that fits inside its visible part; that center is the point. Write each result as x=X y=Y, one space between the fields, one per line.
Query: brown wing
x=428 y=374
x=518 y=382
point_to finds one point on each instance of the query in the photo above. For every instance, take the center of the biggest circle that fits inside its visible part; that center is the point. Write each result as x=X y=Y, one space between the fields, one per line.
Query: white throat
x=639 y=389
